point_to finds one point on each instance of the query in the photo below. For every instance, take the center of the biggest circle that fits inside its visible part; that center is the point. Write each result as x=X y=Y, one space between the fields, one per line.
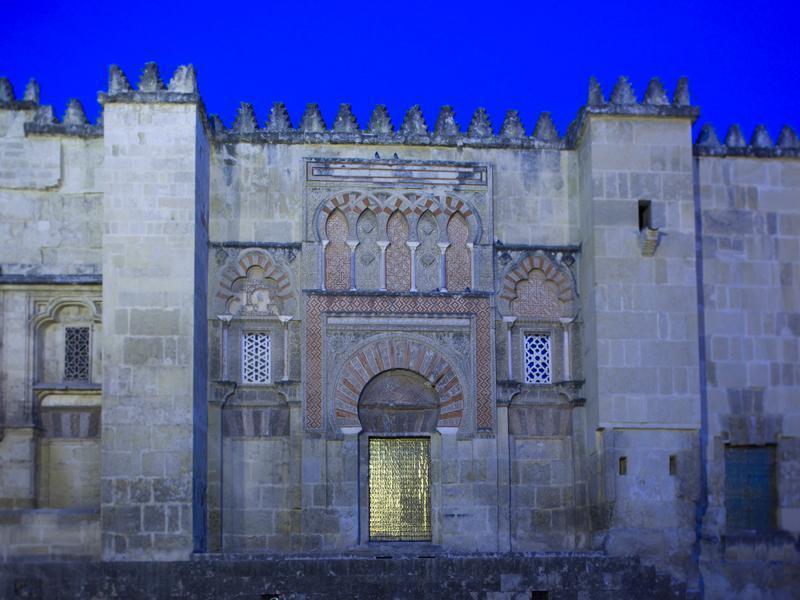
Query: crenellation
x=245 y=121
x=623 y=93
x=278 y=121
x=512 y=127
x=655 y=94
x=7 y=95
x=734 y=138
x=681 y=95
x=545 y=130
x=480 y=126
x=312 y=121
x=380 y=123
x=345 y=120
x=760 y=146
x=446 y=125
x=760 y=138
x=414 y=123
x=75 y=115
x=787 y=139
x=150 y=80
x=32 y=92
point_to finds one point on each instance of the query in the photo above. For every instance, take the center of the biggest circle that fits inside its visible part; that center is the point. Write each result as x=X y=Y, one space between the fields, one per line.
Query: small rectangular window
x=673 y=464
x=645 y=215
x=623 y=465
x=750 y=488
x=76 y=354
x=256 y=361
x=537 y=358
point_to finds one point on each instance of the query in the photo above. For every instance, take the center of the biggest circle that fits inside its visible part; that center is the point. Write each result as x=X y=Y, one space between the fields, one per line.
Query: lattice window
x=76 y=353
x=537 y=358
x=256 y=361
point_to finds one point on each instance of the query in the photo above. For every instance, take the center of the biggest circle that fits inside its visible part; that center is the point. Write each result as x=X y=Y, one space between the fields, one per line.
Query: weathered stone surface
x=245 y=121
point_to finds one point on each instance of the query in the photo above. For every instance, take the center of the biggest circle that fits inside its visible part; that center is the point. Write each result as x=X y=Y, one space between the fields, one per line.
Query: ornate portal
x=399 y=489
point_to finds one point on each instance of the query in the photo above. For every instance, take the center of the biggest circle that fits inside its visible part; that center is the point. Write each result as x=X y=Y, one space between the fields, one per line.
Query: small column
x=285 y=320
x=352 y=244
x=226 y=323
x=383 y=246
x=509 y=321
x=471 y=250
x=322 y=264
x=442 y=266
x=413 y=246
x=565 y=322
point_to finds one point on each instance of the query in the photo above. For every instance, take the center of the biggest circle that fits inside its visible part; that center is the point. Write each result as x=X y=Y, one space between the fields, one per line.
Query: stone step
x=571 y=576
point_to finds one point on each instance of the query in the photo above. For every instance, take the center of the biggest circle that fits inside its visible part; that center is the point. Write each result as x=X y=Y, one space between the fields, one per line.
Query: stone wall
x=209 y=234
x=750 y=217
x=153 y=380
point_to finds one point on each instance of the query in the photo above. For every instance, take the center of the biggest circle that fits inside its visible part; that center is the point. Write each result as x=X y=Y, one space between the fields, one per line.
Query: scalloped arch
x=386 y=353
x=523 y=270
x=256 y=257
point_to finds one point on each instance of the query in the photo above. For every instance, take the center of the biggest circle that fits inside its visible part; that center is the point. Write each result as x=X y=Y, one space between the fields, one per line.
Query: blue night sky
x=741 y=57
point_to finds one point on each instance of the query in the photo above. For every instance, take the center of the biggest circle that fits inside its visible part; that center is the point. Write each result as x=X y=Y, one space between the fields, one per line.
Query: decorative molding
x=318 y=305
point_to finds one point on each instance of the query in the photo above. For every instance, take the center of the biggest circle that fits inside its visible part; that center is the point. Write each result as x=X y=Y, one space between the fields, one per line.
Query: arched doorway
x=399 y=410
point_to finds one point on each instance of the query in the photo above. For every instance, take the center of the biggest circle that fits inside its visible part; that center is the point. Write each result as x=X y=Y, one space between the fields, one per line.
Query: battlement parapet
x=182 y=88
x=74 y=122
x=414 y=130
x=9 y=101
x=759 y=146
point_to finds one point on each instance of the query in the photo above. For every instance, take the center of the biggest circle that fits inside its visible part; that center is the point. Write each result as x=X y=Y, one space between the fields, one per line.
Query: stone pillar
x=509 y=322
x=352 y=245
x=383 y=246
x=413 y=246
x=155 y=215
x=443 y=265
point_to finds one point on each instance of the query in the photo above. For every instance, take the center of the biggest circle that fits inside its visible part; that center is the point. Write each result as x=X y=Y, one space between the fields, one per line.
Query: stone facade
x=201 y=329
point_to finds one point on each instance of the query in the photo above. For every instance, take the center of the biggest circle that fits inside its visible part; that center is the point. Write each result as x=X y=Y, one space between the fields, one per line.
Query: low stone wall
x=561 y=576
x=49 y=534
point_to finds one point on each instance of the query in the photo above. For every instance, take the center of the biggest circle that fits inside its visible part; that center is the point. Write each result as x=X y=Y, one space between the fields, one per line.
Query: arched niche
x=65 y=333
x=398 y=401
x=536 y=287
x=257 y=284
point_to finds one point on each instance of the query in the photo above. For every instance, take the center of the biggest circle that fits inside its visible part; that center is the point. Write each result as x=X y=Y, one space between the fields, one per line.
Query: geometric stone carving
x=457 y=256
x=337 y=253
x=76 y=353
x=256 y=285
x=428 y=253
x=368 y=276
x=537 y=358
x=256 y=360
x=398 y=352
x=398 y=254
x=535 y=287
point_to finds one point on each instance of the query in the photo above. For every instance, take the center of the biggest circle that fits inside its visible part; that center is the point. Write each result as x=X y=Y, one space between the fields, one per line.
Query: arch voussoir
x=385 y=355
